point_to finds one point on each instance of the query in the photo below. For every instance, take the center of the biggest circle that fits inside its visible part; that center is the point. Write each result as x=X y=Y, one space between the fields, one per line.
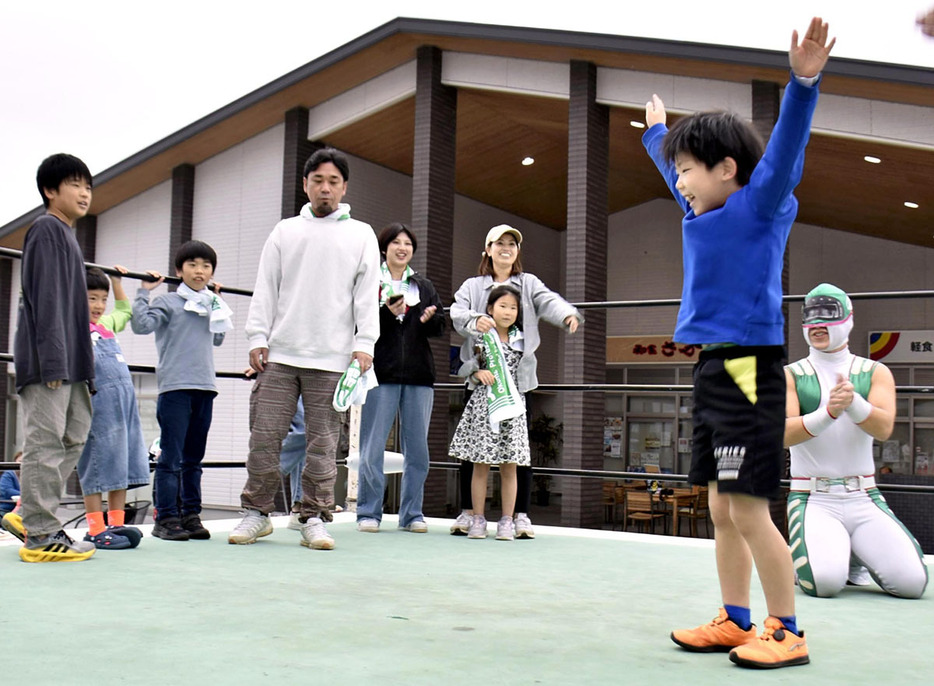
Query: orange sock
x=116 y=517
x=96 y=522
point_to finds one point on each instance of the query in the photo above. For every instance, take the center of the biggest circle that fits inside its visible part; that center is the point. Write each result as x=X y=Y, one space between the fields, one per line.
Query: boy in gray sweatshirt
x=187 y=323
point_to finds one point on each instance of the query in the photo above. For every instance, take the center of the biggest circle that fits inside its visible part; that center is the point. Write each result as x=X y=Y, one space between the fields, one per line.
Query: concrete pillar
x=297 y=151
x=181 y=218
x=586 y=239
x=433 y=223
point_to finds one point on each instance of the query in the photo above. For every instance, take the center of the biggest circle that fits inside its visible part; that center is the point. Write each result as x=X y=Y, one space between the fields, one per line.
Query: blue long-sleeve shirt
x=9 y=486
x=733 y=255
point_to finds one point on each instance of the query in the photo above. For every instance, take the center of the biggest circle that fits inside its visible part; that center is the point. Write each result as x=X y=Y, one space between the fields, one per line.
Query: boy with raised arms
x=739 y=210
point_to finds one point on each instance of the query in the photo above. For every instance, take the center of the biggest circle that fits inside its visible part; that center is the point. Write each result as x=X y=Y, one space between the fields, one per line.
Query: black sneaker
x=192 y=524
x=170 y=530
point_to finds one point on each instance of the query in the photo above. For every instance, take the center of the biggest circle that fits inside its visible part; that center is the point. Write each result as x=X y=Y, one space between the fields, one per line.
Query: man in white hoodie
x=315 y=307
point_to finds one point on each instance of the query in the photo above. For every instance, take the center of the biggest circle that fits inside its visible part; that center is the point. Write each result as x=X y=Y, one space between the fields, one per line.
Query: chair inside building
x=696 y=510
x=642 y=508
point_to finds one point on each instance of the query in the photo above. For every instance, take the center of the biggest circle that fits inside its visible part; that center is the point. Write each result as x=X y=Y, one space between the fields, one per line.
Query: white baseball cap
x=497 y=232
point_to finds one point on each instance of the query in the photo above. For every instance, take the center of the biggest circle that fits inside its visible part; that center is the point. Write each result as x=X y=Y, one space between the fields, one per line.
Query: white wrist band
x=817 y=421
x=860 y=409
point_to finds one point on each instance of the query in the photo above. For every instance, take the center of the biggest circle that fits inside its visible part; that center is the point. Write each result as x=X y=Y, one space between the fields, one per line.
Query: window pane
x=652 y=404
x=902 y=405
x=653 y=375
x=895 y=453
x=924 y=449
x=924 y=407
x=650 y=443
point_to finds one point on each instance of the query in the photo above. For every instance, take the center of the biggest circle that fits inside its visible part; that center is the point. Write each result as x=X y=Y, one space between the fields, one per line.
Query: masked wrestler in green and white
x=837 y=404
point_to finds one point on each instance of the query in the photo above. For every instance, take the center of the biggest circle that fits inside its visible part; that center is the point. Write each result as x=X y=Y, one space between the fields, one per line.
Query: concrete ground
x=570 y=607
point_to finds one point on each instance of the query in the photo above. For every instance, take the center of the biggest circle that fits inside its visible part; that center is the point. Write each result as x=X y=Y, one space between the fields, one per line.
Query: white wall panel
x=896 y=121
x=644 y=246
x=847 y=115
x=362 y=101
x=506 y=74
x=135 y=233
x=625 y=88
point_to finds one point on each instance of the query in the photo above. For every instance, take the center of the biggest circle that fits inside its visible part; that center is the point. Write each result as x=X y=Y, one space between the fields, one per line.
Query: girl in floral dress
x=476 y=440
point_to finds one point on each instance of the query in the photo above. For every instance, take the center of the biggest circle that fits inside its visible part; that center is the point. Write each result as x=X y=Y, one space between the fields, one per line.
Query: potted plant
x=545 y=439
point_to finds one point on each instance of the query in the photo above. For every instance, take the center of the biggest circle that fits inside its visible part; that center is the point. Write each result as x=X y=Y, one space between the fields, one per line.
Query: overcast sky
x=104 y=79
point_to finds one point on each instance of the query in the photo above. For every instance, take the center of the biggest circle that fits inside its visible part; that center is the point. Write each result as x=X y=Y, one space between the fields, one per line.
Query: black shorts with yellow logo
x=739 y=419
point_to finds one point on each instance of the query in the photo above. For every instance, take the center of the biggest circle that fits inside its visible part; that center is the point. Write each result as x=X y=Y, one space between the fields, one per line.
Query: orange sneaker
x=720 y=635
x=776 y=647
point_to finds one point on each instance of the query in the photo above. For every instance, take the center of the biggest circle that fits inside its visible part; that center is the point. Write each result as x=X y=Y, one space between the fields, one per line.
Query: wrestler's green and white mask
x=828 y=306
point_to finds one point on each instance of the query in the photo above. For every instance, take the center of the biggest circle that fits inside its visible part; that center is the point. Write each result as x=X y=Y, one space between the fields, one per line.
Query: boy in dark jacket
x=54 y=359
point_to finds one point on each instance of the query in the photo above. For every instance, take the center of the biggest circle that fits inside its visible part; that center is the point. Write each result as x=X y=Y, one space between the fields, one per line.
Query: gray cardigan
x=538 y=302
x=183 y=341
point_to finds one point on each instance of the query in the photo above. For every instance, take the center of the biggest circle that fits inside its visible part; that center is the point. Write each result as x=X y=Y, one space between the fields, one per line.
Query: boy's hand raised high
x=655 y=111
x=808 y=58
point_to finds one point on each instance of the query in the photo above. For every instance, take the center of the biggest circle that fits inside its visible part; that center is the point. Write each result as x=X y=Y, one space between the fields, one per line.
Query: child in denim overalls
x=115 y=455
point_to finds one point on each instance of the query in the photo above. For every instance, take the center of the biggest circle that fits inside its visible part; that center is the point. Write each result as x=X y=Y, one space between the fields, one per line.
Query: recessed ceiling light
x=911 y=205
x=527 y=161
x=637 y=124
x=872 y=160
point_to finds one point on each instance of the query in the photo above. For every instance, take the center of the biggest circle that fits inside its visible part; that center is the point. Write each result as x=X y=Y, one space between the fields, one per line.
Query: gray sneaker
x=524 y=526
x=477 y=527
x=461 y=525
x=368 y=525
x=316 y=536
x=294 y=523
x=253 y=525
x=505 y=529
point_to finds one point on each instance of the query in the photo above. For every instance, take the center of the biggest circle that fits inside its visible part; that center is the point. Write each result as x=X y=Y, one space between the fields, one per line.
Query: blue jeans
x=413 y=403
x=184 y=420
x=292 y=462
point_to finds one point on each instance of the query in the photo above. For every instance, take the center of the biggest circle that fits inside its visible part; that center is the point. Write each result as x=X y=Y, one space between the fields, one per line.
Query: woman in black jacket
x=410 y=313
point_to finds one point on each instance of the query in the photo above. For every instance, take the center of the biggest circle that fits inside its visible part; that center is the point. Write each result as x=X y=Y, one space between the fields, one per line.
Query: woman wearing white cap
x=501 y=265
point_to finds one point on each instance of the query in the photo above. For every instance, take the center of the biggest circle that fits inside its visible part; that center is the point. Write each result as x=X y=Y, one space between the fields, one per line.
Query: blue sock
x=740 y=616
x=791 y=624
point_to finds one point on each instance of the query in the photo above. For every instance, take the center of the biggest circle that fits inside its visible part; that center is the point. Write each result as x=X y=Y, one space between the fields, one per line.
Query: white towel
x=203 y=303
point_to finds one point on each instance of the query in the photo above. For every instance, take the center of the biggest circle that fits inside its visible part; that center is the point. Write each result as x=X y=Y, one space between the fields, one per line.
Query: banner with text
x=649 y=349
x=902 y=346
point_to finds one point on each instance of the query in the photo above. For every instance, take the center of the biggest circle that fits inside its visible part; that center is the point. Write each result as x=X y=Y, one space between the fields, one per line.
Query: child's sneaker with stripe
x=721 y=634
x=778 y=646
x=57 y=547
